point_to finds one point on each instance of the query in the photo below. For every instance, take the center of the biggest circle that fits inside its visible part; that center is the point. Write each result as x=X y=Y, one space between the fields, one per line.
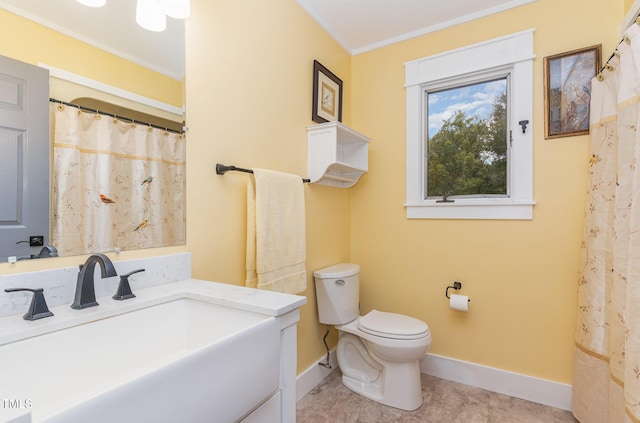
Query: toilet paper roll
x=459 y=302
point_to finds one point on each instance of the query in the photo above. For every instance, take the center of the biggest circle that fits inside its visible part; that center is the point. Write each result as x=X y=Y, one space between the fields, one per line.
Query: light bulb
x=92 y=3
x=150 y=15
x=178 y=9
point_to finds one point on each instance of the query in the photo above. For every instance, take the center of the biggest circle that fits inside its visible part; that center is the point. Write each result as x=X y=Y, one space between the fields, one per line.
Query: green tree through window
x=468 y=153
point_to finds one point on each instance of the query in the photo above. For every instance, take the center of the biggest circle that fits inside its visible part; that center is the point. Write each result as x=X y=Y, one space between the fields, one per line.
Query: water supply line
x=326 y=365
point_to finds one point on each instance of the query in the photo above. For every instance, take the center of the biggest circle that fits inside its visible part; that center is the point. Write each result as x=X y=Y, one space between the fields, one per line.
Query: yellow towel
x=276 y=239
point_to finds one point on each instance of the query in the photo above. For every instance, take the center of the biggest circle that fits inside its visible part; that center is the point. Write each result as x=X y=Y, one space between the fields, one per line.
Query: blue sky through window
x=475 y=99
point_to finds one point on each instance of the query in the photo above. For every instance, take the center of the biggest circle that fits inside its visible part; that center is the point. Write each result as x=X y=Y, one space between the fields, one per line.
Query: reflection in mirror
x=117 y=184
x=24 y=161
x=152 y=84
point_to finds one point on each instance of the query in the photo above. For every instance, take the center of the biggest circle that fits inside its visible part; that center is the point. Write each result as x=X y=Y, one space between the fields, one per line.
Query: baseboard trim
x=542 y=391
x=313 y=375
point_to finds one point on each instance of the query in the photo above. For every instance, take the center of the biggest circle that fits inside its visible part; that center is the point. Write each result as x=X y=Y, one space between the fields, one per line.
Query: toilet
x=378 y=353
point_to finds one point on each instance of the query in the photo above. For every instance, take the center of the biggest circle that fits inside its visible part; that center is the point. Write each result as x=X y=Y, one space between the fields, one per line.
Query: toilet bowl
x=378 y=353
x=383 y=367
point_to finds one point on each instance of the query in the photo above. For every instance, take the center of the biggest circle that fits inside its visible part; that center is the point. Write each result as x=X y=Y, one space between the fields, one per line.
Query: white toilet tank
x=338 y=293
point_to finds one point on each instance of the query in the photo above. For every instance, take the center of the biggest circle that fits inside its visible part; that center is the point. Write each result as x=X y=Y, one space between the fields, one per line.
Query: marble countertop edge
x=14 y=328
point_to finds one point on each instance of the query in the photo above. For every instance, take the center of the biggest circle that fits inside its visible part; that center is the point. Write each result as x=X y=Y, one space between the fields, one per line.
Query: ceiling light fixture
x=178 y=9
x=152 y=14
x=92 y=3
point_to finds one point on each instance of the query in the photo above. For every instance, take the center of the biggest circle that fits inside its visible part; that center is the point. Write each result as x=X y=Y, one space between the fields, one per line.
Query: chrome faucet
x=85 y=290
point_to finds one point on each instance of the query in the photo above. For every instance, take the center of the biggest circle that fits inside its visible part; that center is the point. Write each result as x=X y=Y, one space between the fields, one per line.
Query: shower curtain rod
x=606 y=64
x=123 y=118
x=615 y=51
x=222 y=169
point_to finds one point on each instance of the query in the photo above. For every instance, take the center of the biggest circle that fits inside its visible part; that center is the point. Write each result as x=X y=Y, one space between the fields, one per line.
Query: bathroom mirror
x=111 y=28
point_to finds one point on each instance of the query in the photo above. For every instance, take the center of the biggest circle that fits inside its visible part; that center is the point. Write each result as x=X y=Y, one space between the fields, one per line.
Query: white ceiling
x=111 y=27
x=357 y=25
x=362 y=25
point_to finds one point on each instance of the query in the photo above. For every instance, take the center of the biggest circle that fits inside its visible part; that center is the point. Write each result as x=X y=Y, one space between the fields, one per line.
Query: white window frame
x=512 y=54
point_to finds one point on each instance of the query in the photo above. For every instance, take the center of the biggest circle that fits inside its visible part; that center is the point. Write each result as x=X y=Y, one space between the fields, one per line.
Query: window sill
x=472 y=209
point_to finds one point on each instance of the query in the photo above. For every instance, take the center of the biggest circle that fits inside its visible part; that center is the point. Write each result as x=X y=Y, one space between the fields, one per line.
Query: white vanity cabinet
x=280 y=407
x=268 y=412
x=220 y=352
x=336 y=154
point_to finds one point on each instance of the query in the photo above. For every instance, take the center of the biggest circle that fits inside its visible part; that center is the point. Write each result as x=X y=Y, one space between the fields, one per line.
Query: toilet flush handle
x=340 y=282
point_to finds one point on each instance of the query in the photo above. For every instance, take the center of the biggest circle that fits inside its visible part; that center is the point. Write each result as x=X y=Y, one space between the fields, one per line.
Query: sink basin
x=182 y=360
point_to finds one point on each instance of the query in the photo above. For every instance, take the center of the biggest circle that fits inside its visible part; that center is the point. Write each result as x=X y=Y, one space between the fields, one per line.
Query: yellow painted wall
x=627 y=5
x=520 y=275
x=249 y=80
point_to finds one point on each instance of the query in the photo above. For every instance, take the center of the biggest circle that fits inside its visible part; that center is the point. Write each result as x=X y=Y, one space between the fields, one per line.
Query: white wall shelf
x=336 y=154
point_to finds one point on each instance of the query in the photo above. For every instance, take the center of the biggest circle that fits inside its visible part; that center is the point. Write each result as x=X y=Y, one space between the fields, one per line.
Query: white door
x=24 y=158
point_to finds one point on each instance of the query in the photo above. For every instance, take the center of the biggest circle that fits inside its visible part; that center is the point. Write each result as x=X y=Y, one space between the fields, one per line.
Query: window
x=467 y=155
x=466 y=139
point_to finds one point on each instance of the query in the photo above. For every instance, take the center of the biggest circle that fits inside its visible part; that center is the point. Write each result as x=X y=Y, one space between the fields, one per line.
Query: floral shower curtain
x=606 y=384
x=116 y=184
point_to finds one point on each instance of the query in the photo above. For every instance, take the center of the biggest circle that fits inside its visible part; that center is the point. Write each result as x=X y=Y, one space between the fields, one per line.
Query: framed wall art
x=327 y=95
x=567 y=91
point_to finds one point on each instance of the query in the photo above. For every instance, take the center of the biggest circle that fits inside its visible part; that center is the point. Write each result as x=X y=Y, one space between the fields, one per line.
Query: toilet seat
x=392 y=325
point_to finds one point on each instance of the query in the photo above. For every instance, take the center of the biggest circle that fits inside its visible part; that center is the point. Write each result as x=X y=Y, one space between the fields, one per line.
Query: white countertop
x=14 y=328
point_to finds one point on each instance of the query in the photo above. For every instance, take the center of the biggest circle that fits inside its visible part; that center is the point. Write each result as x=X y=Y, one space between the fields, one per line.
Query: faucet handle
x=124 y=289
x=38 y=308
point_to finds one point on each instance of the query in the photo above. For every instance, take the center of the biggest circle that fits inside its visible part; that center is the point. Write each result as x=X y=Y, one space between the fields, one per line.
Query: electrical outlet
x=36 y=241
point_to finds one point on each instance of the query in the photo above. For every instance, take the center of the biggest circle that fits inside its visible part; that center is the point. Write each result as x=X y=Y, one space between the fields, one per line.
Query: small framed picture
x=567 y=91
x=327 y=95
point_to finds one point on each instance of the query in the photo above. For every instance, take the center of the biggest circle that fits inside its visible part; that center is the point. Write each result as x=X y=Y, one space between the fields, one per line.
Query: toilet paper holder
x=456 y=286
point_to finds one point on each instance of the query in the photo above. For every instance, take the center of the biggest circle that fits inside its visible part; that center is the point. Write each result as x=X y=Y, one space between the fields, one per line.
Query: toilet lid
x=392 y=325
x=341 y=270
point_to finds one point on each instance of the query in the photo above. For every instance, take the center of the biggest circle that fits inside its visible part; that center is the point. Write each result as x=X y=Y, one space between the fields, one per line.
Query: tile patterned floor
x=444 y=402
